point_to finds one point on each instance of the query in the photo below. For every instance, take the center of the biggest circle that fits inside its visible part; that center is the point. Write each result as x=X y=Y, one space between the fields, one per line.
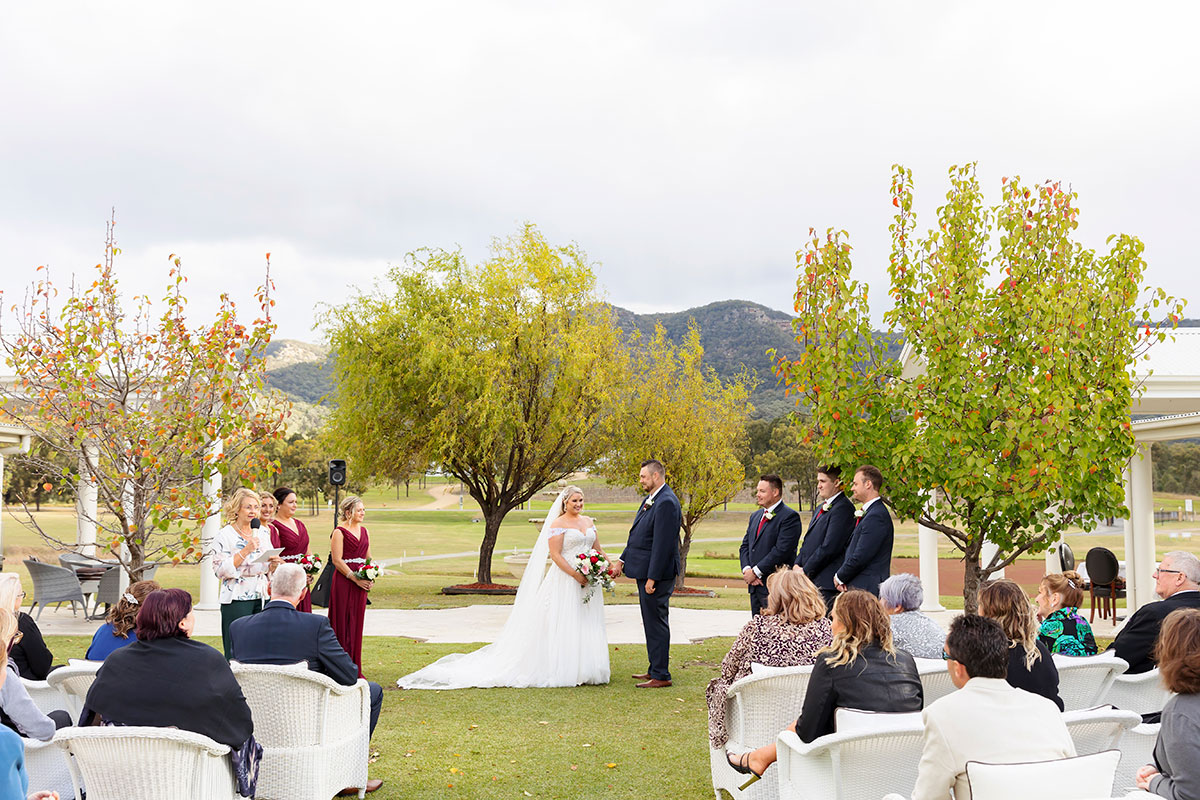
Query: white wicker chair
x=1081 y=778
x=1143 y=693
x=72 y=682
x=935 y=679
x=852 y=765
x=48 y=768
x=315 y=733
x=1137 y=750
x=1083 y=681
x=1097 y=729
x=140 y=763
x=757 y=708
x=47 y=698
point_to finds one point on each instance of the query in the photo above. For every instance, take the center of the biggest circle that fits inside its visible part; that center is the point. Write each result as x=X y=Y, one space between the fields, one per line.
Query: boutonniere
x=768 y=515
x=649 y=502
x=858 y=513
x=825 y=506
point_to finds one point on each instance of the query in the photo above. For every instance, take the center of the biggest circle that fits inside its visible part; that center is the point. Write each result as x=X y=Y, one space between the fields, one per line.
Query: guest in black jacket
x=829 y=531
x=770 y=541
x=166 y=680
x=280 y=634
x=1030 y=665
x=1176 y=581
x=861 y=670
x=30 y=654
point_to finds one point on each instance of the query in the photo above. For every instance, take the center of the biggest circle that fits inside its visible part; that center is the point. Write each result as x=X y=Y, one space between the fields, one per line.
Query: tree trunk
x=684 y=547
x=492 y=517
x=407 y=481
x=972 y=577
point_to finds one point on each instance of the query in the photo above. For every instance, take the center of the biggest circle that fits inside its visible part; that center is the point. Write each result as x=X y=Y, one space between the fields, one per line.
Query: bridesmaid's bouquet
x=311 y=563
x=595 y=568
x=368 y=570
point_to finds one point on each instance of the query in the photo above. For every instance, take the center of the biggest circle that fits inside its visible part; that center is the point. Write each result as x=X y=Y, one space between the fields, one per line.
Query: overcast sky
x=686 y=146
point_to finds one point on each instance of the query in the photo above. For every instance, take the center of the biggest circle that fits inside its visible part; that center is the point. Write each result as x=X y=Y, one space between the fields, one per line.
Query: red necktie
x=761 y=521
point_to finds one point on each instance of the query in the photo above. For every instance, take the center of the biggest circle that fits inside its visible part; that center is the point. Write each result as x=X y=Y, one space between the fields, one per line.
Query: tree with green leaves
x=504 y=373
x=783 y=446
x=680 y=412
x=1008 y=419
x=128 y=403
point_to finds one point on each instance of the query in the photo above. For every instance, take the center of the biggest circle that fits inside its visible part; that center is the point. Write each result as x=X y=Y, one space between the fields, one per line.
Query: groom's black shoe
x=642 y=676
x=654 y=683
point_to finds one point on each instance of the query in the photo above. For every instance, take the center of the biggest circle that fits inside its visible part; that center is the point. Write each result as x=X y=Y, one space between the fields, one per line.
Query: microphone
x=255 y=524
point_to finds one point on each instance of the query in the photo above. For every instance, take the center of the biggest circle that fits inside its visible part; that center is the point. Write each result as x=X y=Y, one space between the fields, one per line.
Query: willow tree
x=1008 y=419
x=680 y=412
x=503 y=373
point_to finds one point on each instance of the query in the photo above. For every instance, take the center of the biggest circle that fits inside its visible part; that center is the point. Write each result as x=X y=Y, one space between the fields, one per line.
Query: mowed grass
x=611 y=741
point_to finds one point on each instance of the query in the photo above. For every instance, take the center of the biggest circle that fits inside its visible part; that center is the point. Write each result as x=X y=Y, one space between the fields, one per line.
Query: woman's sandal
x=742 y=767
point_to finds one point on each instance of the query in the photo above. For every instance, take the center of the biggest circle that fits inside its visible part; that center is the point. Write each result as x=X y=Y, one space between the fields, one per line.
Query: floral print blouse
x=1066 y=632
x=247 y=581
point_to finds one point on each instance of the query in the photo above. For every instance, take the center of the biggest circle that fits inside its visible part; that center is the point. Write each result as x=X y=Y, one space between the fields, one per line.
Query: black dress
x=875 y=681
x=32 y=657
x=1041 y=679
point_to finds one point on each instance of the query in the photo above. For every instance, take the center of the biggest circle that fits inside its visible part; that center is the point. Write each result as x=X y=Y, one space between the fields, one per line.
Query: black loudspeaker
x=337 y=472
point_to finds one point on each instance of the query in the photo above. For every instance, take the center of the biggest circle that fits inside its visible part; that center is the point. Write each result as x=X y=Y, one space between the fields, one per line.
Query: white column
x=210 y=587
x=927 y=544
x=86 y=500
x=1 y=508
x=1140 y=556
x=1053 y=564
x=985 y=556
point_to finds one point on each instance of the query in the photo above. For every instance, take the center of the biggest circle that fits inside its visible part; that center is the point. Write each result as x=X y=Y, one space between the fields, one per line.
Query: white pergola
x=1169 y=408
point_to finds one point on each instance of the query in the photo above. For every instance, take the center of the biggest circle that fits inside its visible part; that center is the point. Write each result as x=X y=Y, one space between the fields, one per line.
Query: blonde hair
x=236 y=500
x=793 y=596
x=570 y=492
x=8 y=629
x=863 y=622
x=346 y=507
x=10 y=589
x=123 y=615
x=1004 y=601
x=1067 y=584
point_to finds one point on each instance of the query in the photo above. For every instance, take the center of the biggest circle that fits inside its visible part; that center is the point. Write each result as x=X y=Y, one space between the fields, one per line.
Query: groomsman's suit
x=824 y=546
x=868 y=559
x=652 y=552
x=768 y=545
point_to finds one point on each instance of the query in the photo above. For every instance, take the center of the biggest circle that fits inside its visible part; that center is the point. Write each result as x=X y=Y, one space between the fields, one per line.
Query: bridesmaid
x=290 y=534
x=266 y=511
x=349 y=545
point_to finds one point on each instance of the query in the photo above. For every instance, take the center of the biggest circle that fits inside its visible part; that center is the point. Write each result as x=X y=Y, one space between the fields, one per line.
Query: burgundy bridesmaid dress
x=293 y=544
x=347 y=602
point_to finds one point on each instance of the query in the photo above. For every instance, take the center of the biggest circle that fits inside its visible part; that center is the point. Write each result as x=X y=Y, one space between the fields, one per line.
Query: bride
x=552 y=637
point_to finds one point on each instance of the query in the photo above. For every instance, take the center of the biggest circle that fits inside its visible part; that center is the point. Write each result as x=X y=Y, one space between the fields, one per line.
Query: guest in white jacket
x=986 y=719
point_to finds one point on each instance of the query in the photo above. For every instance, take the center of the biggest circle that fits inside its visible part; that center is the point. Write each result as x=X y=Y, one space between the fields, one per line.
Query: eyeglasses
x=1175 y=571
x=946 y=656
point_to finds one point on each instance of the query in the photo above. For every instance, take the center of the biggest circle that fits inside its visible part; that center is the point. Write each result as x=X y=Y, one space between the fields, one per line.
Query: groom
x=651 y=557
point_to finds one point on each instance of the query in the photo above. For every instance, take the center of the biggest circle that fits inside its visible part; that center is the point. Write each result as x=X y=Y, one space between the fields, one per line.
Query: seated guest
x=912 y=631
x=1063 y=630
x=14 y=781
x=17 y=709
x=1030 y=666
x=861 y=669
x=32 y=658
x=987 y=719
x=118 y=628
x=789 y=632
x=1176 y=581
x=166 y=680
x=1176 y=769
x=282 y=635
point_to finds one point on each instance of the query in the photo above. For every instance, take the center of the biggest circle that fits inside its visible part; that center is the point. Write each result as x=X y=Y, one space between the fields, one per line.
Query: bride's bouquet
x=311 y=563
x=368 y=570
x=595 y=568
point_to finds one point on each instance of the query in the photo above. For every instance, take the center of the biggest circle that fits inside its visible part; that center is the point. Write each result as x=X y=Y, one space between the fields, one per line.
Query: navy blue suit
x=770 y=548
x=868 y=559
x=824 y=546
x=280 y=634
x=652 y=552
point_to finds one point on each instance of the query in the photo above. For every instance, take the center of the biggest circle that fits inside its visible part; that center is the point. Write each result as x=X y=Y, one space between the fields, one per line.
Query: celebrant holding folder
x=237 y=559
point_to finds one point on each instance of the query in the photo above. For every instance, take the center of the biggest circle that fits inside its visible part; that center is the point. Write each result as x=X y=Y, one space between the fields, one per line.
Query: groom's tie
x=761 y=521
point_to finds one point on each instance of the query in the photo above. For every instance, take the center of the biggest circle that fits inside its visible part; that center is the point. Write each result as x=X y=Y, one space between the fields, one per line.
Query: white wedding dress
x=552 y=637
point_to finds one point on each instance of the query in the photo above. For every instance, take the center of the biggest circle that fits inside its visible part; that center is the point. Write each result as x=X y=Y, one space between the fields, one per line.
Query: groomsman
x=829 y=531
x=770 y=540
x=868 y=559
x=651 y=557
